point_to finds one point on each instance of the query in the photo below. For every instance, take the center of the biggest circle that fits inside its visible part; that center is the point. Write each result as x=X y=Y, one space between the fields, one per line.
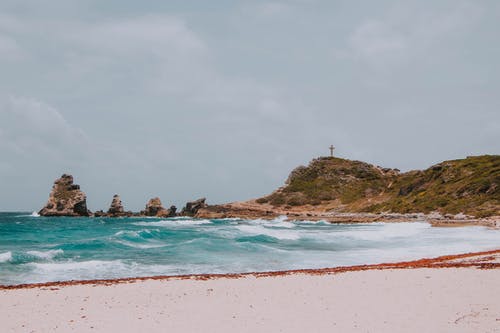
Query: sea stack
x=66 y=199
x=116 y=207
x=154 y=207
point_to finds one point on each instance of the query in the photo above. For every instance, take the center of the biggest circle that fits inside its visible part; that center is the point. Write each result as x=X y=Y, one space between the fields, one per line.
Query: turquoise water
x=40 y=249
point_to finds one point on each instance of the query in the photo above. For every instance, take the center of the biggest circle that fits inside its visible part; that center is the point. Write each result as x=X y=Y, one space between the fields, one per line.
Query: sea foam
x=275 y=233
x=5 y=257
x=47 y=255
x=176 y=222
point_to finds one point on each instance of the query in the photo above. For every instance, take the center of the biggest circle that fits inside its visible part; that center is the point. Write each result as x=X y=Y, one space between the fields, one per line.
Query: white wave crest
x=35 y=214
x=275 y=233
x=170 y=223
x=133 y=233
x=280 y=221
x=6 y=256
x=47 y=255
x=149 y=245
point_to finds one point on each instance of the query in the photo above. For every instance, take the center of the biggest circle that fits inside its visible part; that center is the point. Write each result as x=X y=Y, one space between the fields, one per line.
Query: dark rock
x=100 y=213
x=66 y=198
x=192 y=207
x=168 y=212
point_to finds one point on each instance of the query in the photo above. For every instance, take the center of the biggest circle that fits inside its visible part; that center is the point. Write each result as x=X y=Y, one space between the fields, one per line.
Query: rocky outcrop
x=154 y=207
x=171 y=212
x=193 y=207
x=116 y=207
x=66 y=199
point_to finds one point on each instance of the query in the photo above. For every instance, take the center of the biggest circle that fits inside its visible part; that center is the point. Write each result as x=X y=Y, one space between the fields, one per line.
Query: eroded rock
x=66 y=199
x=116 y=207
x=154 y=207
x=192 y=207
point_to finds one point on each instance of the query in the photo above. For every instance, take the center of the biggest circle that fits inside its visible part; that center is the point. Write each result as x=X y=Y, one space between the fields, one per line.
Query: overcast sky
x=183 y=99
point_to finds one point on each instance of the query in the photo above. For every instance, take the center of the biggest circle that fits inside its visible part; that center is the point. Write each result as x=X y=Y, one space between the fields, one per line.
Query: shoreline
x=484 y=260
x=253 y=210
x=454 y=293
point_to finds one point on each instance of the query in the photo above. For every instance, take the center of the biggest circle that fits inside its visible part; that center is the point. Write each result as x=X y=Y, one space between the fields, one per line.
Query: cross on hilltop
x=332 y=148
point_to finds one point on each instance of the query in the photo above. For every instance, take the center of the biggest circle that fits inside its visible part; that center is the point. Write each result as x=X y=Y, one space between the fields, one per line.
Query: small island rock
x=154 y=207
x=116 y=207
x=66 y=199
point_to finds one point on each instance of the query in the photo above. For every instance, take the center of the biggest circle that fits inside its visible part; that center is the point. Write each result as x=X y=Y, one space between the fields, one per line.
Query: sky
x=222 y=99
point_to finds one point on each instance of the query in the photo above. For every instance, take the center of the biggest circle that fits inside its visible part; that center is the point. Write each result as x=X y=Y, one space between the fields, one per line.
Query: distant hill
x=470 y=186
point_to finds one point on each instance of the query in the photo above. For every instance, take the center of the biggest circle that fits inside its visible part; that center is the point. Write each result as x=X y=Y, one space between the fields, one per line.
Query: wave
x=275 y=233
x=71 y=270
x=170 y=223
x=136 y=233
x=46 y=255
x=5 y=257
x=139 y=239
x=103 y=269
x=35 y=214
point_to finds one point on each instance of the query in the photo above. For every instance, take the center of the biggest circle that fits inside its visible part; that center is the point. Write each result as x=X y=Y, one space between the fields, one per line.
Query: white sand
x=406 y=300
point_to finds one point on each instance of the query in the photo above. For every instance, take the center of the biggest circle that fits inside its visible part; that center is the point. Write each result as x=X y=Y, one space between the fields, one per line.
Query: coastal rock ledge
x=66 y=199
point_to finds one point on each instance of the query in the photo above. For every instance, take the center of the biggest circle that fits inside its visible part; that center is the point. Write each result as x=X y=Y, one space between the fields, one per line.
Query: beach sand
x=448 y=294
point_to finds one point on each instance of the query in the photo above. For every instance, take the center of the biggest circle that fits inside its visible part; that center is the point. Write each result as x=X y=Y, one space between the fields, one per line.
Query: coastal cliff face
x=469 y=186
x=66 y=199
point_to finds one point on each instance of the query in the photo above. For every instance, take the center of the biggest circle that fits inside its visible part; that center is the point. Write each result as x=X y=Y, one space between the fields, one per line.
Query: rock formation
x=66 y=199
x=154 y=207
x=192 y=207
x=116 y=208
x=171 y=212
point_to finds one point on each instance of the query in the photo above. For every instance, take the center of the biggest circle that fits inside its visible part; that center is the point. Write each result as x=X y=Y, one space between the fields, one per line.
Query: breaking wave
x=5 y=257
x=173 y=222
x=46 y=255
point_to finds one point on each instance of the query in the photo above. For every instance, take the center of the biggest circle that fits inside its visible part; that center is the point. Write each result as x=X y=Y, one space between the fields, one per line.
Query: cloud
x=32 y=128
x=406 y=33
x=10 y=49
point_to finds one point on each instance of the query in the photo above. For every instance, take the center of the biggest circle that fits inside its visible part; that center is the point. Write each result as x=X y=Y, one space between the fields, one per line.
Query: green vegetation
x=470 y=186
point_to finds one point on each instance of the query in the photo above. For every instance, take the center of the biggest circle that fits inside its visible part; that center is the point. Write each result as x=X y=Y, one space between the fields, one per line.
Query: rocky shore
x=67 y=199
x=253 y=210
x=451 y=193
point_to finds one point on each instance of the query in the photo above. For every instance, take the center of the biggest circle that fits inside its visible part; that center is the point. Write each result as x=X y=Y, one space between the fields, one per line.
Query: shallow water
x=39 y=249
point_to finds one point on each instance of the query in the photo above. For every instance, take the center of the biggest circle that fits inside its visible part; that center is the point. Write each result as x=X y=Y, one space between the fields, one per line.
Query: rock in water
x=116 y=208
x=171 y=212
x=154 y=208
x=66 y=199
x=192 y=207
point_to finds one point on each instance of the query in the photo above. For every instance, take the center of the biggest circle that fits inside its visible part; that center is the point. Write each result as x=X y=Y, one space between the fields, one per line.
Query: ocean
x=41 y=249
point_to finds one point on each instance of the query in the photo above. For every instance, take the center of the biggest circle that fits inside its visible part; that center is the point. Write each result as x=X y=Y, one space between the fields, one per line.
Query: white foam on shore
x=47 y=255
x=101 y=269
x=384 y=231
x=71 y=270
x=5 y=257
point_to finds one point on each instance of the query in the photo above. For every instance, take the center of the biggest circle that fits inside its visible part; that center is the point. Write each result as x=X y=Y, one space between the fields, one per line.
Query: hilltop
x=469 y=186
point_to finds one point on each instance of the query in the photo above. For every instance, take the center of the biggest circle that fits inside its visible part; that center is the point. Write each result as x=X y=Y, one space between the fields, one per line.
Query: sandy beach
x=447 y=294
